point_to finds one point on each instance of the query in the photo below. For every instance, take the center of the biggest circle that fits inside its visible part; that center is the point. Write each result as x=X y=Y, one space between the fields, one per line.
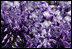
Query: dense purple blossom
x=35 y=24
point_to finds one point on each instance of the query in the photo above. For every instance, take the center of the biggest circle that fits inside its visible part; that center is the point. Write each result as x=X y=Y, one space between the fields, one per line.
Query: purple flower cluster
x=36 y=24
